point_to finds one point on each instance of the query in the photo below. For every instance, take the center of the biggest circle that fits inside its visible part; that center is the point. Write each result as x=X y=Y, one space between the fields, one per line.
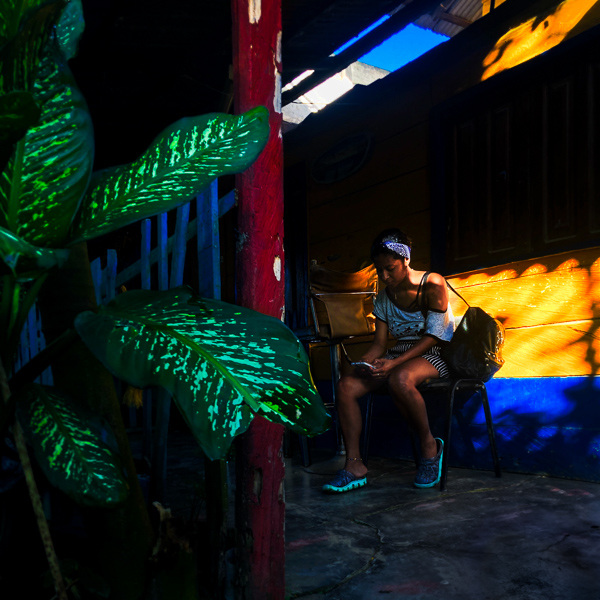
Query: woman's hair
x=393 y=242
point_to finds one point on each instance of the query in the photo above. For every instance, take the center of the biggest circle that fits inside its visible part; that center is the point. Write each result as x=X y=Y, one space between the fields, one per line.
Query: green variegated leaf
x=180 y=162
x=46 y=176
x=18 y=112
x=70 y=28
x=68 y=445
x=21 y=56
x=218 y=361
x=12 y=13
x=25 y=261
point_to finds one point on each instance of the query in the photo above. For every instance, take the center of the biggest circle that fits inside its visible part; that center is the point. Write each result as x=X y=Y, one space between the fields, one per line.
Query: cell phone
x=363 y=365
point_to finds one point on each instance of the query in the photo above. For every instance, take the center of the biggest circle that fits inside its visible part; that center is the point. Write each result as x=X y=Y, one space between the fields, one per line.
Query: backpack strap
x=448 y=284
x=424 y=306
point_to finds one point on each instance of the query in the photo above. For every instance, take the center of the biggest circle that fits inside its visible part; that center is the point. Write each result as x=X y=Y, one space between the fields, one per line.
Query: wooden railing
x=205 y=228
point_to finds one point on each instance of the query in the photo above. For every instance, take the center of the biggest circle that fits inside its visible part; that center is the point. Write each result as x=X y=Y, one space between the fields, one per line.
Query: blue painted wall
x=547 y=426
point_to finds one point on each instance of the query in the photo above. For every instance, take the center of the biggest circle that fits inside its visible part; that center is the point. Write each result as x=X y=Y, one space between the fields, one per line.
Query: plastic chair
x=449 y=387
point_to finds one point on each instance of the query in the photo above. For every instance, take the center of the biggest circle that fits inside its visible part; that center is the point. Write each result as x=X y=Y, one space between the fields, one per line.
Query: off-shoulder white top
x=412 y=325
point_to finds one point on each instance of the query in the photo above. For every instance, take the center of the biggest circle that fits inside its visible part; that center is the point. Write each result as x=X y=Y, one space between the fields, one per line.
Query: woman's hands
x=383 y=367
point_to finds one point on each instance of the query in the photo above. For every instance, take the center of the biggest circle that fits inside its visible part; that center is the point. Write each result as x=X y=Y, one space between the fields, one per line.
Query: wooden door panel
x=521 y=162
x=558 y=211
x=593 y=146
x=501 y=230
x=467 y=195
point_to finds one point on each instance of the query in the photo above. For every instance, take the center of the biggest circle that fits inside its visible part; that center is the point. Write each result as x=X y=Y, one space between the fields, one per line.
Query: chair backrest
x=342 y=303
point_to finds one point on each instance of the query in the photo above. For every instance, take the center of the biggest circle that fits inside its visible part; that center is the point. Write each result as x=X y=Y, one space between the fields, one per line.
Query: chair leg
x=335 y=359
x=367 y=430
x=490 y=428
x=449 y=414
x=304 y=451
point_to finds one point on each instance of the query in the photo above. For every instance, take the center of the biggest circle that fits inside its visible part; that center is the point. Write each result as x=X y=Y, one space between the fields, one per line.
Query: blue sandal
x=344 y=481
x=430 y=469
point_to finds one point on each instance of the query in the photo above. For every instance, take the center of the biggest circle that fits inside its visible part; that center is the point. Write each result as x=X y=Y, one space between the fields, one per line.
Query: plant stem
x=15 y=187
x=36 y=501
x=7 y=290
x=14 y=309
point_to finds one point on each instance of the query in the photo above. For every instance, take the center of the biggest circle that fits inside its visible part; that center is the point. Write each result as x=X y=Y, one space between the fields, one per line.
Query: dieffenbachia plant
x=223 y=364
x=74 y=448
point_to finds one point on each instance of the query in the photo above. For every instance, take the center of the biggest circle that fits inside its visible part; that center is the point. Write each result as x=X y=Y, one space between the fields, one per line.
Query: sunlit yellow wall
x=485 y=5
x=550 y=308
x=538 y=34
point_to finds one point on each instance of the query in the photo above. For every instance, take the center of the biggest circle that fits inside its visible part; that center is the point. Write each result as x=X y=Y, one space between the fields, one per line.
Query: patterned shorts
x=432 y=355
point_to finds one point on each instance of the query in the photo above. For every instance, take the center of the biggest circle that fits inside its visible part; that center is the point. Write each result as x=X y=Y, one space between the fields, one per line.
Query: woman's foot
x=429 y=448
x=344 y=481
x=356 y=467
x=430 y=469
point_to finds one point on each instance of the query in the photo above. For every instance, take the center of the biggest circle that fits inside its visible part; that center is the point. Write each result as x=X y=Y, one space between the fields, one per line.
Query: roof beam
x=442 y=13
x=454 y=19
x=334 y=64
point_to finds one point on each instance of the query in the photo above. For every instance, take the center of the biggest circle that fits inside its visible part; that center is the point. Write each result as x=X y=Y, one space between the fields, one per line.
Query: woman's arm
x=379 y=345
x=436 y=293
x=421 y=346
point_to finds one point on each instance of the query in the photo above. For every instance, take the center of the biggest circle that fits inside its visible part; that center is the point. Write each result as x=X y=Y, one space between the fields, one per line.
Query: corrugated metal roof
x=313 y=29
x=452 y=16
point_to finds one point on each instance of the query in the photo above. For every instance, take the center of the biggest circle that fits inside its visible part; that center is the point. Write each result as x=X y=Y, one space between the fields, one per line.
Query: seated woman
x=414 y=308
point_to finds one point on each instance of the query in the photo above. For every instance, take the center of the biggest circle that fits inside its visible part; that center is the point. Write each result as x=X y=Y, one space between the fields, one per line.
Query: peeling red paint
x=256 y=49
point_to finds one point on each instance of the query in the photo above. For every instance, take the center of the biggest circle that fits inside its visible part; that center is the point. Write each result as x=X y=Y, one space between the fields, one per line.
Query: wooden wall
x=396 y=184
x=390 y=190
x=550 y=308
x=403 y=179
x=518 y=162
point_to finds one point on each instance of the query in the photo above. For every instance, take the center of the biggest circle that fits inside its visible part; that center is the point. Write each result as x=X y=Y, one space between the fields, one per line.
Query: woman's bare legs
x=402 y=384
x=349 y=389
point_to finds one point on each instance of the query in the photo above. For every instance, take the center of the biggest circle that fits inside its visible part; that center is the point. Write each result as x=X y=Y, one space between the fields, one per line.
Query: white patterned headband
x=400 y=249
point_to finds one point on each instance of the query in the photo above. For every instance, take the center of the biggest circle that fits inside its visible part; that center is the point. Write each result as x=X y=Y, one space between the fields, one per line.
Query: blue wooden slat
x=96 y=267
x=145 y=253
x=32 y=333
x=147 y=425
x=209 y=255
x=226 y=203
x=111 y=275
x=146 y=277
x=46 y=376
x=163 y=252
x=179 y=245
x=23 y=354
x=163 y=406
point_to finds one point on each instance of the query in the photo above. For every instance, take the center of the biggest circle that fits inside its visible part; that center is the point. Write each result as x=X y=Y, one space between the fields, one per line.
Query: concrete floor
x=519 y=537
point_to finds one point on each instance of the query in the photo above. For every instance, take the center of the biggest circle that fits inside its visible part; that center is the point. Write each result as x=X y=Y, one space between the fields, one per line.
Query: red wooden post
x=260 y=506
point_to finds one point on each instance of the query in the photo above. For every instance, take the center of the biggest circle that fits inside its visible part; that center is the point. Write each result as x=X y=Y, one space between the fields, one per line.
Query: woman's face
x=390 y=270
